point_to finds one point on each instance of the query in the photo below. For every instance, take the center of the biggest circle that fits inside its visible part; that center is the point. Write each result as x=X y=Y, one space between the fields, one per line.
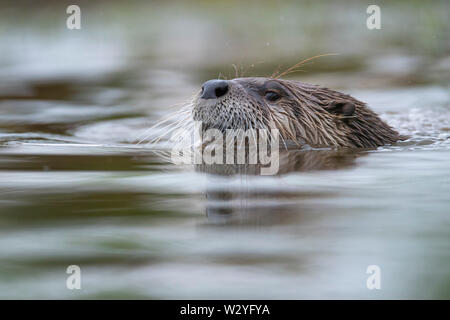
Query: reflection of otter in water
x=289 y=161
x=303 y=113
x=253 y=206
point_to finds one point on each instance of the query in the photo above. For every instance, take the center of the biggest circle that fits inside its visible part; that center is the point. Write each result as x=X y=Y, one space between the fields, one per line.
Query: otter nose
x=214 y=89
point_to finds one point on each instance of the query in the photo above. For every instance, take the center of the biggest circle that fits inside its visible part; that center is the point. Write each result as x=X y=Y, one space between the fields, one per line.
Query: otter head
x=303 y=113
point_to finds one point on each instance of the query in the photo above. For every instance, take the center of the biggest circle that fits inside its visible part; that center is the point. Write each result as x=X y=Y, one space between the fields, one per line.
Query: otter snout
x=214 y=89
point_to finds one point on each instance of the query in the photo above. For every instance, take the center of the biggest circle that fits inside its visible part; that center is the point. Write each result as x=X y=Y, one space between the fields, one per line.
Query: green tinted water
x=75 y=189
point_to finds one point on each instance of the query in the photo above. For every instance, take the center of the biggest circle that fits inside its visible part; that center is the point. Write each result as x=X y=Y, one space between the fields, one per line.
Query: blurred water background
x=75 y=189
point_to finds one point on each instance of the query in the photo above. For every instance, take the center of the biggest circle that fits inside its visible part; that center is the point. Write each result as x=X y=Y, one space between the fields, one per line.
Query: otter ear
x=344 y=109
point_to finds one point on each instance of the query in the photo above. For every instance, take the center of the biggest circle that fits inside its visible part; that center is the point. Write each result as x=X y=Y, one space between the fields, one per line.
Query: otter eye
x=272 y=96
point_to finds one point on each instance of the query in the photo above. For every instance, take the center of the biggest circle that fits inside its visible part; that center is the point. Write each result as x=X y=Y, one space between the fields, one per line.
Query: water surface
x=76 y=189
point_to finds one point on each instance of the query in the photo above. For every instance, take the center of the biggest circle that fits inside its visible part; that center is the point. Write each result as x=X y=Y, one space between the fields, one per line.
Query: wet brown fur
x=305 y=114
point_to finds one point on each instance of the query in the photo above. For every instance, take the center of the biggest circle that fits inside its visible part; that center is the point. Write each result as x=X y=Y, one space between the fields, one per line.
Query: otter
x=304 y=113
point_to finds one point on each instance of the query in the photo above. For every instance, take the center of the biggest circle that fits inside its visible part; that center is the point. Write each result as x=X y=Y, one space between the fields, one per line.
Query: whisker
x=298 y=64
